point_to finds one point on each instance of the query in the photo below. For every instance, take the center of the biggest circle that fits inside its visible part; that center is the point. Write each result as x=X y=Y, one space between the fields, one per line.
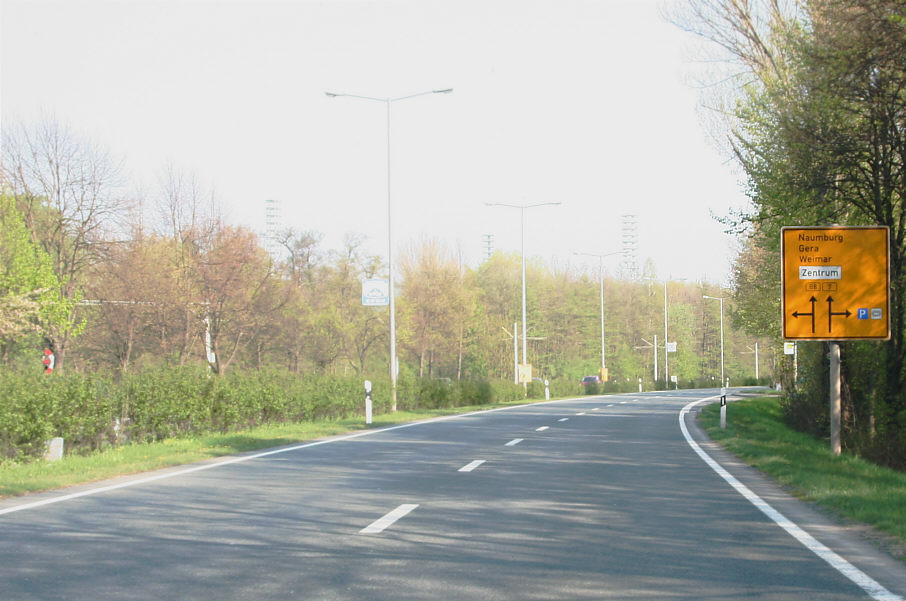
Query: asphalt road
x=590 y=498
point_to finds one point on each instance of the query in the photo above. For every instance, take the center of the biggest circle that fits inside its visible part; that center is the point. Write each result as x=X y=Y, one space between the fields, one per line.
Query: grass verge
x=852 y=488
x=22 y=478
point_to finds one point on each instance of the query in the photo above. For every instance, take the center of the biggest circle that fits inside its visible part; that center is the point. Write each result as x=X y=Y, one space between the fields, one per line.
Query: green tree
x=435 y=304
x=497 y=308
x=819 y=131
x=358 y=330
x=28 y=300
x=66 y=189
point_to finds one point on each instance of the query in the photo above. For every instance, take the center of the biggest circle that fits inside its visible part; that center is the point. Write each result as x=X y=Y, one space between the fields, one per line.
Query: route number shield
x=835 y=283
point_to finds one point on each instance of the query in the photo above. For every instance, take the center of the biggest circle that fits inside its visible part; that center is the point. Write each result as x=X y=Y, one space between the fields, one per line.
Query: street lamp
x=522 y=209
x=666 y=343
x=721 y=299
x=388 y=102
x=601 y=275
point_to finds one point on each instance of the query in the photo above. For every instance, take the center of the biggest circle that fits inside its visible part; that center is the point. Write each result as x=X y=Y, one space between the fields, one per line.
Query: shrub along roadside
x=94 y=412
x=22 y=478
x=851 y=487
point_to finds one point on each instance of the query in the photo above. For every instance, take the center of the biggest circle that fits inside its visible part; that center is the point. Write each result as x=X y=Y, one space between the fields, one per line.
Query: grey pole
x=522 y=209
x=522 y=252
x=836 y=446
x=390 y=273
x=601 y=277
x=721 y=299
x=666 y=350
x=388 y=102
x=515 y=352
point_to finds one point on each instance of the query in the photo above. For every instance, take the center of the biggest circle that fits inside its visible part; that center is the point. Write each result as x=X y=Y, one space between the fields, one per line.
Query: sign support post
x=836 y=447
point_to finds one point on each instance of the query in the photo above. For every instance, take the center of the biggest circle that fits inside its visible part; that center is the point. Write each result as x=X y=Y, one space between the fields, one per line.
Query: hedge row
x=94 y=411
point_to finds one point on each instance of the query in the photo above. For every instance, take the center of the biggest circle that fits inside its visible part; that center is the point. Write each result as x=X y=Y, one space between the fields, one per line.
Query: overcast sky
x=582 y=102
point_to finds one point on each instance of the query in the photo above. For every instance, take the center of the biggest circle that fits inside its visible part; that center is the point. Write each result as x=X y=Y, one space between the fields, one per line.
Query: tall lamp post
x=522 y=209
x=666 y=343
x=666 y=339
x=388 y=102
x=721 y=299
x=601 y=276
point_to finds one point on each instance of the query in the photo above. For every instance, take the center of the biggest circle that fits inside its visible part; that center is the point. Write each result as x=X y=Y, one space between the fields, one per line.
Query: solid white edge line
x=244 y=458
x=471 y=465
x=381 y=524
x=857 y=576
x=513 y=442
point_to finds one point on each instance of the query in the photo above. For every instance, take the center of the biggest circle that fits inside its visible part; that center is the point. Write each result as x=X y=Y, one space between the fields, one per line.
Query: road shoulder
x=869 y=550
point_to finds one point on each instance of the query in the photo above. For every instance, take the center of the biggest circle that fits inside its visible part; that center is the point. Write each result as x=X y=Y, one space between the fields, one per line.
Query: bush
x=439 y=393
x=37 y=407
x=25 y=415
x=91 y=412
x=473 y=392
x=805 y=407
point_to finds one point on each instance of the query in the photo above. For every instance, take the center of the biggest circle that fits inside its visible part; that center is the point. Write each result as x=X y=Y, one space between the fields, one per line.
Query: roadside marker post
x=723 y=408
x=368 y=404
x=835 y=286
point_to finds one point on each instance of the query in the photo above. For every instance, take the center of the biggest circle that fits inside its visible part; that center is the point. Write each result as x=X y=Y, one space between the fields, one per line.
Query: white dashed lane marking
x=471 y=466
x=388 y=520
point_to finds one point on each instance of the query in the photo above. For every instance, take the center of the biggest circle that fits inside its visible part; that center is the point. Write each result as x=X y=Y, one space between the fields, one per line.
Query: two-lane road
x=590 y=498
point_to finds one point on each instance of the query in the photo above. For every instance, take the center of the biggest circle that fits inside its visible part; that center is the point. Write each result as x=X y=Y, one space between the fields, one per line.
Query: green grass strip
x=22 y=478
x=850 y=487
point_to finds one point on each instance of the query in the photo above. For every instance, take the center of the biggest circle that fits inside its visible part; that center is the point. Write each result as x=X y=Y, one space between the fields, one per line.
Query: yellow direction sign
x=835 y=283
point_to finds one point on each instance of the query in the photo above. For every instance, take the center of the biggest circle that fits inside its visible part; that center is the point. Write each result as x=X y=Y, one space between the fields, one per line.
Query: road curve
x=586 y=498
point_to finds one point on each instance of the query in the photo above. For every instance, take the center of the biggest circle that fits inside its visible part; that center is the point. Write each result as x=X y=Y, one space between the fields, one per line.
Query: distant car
x=588 y=380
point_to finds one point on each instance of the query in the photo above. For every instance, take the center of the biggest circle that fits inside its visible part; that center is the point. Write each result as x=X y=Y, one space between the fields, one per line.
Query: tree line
x=121 y=282
x=813 y=108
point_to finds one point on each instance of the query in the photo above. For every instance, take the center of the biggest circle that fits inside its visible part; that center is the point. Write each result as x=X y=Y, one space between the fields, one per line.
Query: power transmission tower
x=273 y=223
x=489 y=245
x=629 y=266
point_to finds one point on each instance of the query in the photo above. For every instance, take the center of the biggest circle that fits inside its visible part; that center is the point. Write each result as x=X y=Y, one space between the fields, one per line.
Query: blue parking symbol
x=862 y=313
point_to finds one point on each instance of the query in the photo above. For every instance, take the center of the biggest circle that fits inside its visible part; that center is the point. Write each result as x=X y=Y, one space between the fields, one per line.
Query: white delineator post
x=368 y=404
x=723 y=408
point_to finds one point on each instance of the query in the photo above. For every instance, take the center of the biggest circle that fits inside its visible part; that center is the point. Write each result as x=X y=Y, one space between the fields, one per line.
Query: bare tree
x=185 y=215
x=69 y=192
x=233 y=275
x=742 y=28
x=132 y=296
